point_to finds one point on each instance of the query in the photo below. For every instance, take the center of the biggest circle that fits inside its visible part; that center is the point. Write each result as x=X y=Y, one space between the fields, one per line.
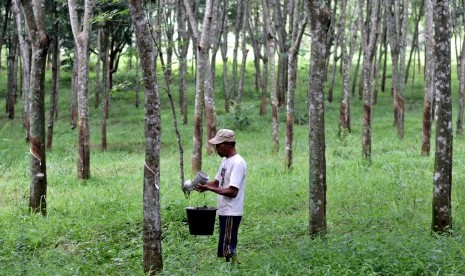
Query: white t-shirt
x=232 y=172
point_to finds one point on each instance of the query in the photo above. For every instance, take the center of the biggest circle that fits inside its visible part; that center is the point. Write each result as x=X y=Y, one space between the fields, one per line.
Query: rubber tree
x=429 y=80
x=25 y=54
x=442 y=190
x=182 y=43
x=152 y=232
x=368 y=40
x=55 y=41
x=81 y=33
x=397 y=21
x=34 y=15
x=320 y=22
x=347 y=53
x=12 y=63
x=299 y=22
x=203 y=85
x=270 y=52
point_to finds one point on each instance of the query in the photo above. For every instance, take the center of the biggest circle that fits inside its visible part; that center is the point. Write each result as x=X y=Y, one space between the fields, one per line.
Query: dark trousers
x=229 y=226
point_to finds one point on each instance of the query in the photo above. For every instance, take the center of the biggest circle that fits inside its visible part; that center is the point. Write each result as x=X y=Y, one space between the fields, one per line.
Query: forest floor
x=378 y=213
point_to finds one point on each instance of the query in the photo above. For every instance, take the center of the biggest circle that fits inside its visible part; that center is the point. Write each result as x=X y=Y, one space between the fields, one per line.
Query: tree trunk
x=98 y=81
x=74 y=90
x=384 y=45
x=270 y=45
x=442 y=205
x=336 y=41
x=81 y=39
x=296 y=37
x=6 y=18
x=34 y=14
x=398 y=28
x=320 y=22
x=169 y=14
x=215 y=37
x=137 y=83
x=344 y=110
x=26 y=55
x=429 y=80
x=280 y=22
x=237 y=30
x=354 y=82
x=224 y=56
x=414 y=46
x=12 y=64
x=152 y=230
x=106 y=86
x=245 y=51
x=260 y=76
x=369 y=47
x=209 y=88
x=55 y=86
x=460 y=101
x=203 y=65
x=183 y=47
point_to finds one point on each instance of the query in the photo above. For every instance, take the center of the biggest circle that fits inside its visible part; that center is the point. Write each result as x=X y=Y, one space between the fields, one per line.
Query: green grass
x=379 y=214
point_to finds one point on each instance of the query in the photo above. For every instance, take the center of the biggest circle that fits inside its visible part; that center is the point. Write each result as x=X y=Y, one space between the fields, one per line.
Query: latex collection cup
x=200 y=178
x=188 y=185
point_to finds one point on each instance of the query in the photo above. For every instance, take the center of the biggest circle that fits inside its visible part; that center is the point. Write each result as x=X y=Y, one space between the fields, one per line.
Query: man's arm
x=213 y=186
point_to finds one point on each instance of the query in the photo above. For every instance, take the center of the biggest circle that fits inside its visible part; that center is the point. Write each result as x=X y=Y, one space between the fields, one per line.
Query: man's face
x=221 y=149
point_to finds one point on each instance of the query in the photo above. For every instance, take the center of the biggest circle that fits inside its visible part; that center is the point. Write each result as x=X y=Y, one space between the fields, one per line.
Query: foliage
x=237 y=117
x=379 y=214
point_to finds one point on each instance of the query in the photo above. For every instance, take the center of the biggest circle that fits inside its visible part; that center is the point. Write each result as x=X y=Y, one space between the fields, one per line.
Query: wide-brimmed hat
x=223 y=135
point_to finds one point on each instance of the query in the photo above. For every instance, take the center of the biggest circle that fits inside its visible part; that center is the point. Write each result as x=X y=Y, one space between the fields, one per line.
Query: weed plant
x=378 y=213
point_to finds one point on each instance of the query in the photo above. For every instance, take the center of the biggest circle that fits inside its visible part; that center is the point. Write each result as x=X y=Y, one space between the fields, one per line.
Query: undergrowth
x=378 y=213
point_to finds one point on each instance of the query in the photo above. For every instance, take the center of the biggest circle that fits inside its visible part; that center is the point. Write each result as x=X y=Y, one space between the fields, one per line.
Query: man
x=229 y=184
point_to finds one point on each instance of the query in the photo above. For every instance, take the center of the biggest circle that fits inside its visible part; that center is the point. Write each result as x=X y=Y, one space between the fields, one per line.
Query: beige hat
x=223 y=135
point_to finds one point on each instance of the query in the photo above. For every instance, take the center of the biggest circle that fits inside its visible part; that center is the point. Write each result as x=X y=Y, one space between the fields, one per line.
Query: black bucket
x=201 y=220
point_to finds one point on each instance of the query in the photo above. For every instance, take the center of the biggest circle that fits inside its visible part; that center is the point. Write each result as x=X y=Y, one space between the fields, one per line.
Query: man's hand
x=201 y=188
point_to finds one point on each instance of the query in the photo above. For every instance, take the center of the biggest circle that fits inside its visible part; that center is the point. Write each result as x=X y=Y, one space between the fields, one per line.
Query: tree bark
x=215 y=37
x=354 y=82
x=296 y=37
x=237 y=29
x=169 y=15
x=260 y=76
x=429 y=80
x=209 y=89
x=320 y=22
x=98 y=80
x=4 y=28
x=81 y=39
x=460 y=100
x=369 y=47
x=26 y=55
x=34 y=13
x=12 y=63
x=55 y=82
x=245 y=51
x=224 y=56
x=414 y=47
x=106 y=86
x=137 y=83
x=201 y=100
x=183 y=47
x=271 y=49
x=152 y=230
x=398 y=28
x=442 y=205
x=280 y=22
x=344 y=110
x=74 y=90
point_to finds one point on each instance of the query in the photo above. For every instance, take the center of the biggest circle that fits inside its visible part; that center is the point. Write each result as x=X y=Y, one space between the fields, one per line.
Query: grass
x=379 y=214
